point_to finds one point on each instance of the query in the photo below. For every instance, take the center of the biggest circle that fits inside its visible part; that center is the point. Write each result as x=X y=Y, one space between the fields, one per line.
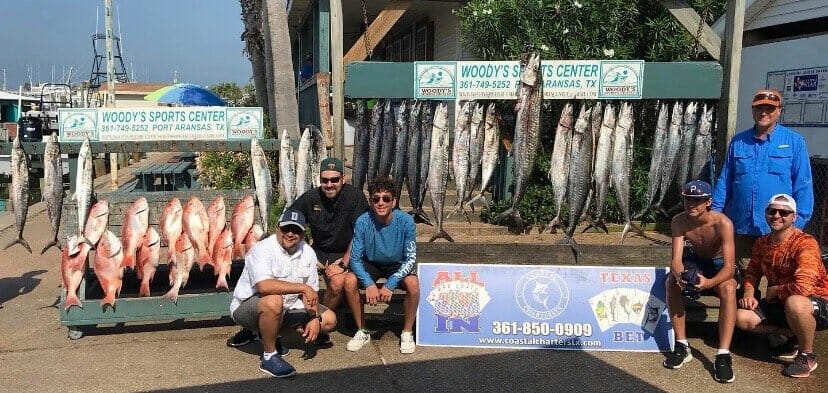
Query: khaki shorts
x=247 y=315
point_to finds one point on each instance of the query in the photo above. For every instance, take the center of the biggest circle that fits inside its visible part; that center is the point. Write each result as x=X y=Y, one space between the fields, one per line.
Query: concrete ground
x=191 y=356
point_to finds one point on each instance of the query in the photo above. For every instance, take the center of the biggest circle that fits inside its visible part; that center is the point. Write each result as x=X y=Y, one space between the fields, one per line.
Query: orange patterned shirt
x=794 y=264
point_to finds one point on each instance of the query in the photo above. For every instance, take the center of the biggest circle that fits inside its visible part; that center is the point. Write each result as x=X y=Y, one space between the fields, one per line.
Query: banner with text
x=159 y=124
x=562 y=79
x=544 y=307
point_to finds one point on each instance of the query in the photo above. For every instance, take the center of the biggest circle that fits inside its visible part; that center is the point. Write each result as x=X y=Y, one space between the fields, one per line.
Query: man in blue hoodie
x=763 y=161
x=384 y=246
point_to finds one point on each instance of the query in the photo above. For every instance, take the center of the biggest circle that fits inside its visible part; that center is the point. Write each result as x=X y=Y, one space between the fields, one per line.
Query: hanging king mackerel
x=20 y=192
x=318 y=153
x=491 y=146
x=287 y=169
x=361 y=139
x=688 y=133
x=670 y=158
x=559 y=163
x=426 y=126
x=387 y=142
x=657 y=155
x=53 y=189
x=400 y=148
x=622 y=159
x=460 y=156
x=375 y=140
x=603 y=166
x=412 y=178
x=580 y=175
x=438 y=169
x=83 y=185
x=261 y=181
x=477 y=130
x=595 y=129
x=702 y=146
x=527 y=132
x=303 y=164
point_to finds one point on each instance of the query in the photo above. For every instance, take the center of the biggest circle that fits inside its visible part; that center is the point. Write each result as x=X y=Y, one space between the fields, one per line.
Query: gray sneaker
x=361 y=338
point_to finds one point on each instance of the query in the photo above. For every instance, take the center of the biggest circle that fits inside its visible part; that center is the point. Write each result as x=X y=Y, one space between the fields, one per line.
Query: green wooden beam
x=154 y=146
x=687 y=80
x=154 y=308
x=323 y=36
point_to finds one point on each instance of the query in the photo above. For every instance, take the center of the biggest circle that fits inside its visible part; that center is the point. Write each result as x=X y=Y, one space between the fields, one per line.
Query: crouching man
x=278 y=288
x=795 y=302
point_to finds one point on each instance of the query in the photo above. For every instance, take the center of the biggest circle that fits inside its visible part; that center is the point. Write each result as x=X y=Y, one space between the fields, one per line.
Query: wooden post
x=690 y=19
x=337 y=78
x=323 y=81
x=732 y=63
x=386 y=19
x=110 y=94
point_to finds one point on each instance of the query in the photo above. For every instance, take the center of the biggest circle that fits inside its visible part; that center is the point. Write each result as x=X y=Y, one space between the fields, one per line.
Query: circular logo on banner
x=541 y=294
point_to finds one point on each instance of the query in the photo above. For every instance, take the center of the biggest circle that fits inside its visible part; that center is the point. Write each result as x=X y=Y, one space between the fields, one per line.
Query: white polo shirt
x=268 y=260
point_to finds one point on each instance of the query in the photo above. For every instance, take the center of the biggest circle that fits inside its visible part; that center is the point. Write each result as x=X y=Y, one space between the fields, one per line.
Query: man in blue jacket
x=384 y=246
x=763 y=161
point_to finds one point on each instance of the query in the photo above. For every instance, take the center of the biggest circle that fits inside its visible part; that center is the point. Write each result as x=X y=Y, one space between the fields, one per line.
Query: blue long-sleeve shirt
x=381 y=244
x=755 y=170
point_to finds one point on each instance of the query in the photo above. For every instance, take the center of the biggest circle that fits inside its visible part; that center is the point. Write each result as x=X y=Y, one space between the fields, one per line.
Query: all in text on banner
x=159 y=124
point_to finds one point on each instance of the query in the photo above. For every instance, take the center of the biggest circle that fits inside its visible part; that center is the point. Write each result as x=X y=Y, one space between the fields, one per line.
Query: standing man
x=765 y=160
x=703 y=258
x=796 y=303
x=384 y=246
x=278 y=288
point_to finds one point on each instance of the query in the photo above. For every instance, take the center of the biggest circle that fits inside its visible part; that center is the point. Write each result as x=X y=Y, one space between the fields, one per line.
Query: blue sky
x=197 y=38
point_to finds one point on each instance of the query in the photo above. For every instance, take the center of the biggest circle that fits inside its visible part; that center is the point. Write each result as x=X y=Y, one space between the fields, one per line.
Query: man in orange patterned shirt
x=795 y=303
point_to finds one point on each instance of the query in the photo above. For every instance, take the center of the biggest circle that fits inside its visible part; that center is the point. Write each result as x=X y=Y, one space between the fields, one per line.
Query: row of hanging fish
x=299 y=169
x=194 y=236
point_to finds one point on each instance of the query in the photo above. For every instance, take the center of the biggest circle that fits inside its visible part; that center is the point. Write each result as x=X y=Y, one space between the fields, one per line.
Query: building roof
x=134 y=88
x=765 y=13
x=5 y=96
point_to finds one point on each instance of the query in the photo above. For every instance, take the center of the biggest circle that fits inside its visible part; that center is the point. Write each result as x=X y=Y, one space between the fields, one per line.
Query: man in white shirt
x=278 y=288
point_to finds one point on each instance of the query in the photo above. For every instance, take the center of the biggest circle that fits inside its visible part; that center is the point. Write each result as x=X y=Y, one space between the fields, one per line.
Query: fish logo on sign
x=435 y=80
x=77 y=125
x=542 y=294
x=621 y=79
x=243 y=123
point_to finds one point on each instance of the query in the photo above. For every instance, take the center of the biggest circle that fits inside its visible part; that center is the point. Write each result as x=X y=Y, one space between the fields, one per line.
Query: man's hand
x=311 y=330
x=704 y=283
x=371 y=295
x=333 y=270
x=310 y=298
x=748 y=303
x=773 y=294
x=385 y=294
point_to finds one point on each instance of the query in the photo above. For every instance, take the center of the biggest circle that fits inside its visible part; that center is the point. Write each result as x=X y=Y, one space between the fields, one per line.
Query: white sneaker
x=361 y=338
x=407 y=343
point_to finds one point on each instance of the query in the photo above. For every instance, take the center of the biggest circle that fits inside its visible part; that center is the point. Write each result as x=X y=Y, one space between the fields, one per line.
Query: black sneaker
x=680 y=355
x=281 y=349
x=277 y=367
x=323 y=340
x=802 y=366
x=242 y=338
x=723 y=368
x=786 y=352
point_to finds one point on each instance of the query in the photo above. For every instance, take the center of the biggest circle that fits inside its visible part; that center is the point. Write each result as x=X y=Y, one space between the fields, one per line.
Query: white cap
x=784 y=200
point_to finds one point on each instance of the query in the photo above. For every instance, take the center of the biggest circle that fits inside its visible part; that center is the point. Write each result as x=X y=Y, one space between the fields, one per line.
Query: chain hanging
x=368 y=47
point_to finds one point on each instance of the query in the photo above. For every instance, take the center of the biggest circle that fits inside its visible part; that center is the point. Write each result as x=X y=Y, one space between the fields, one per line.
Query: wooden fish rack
x=198 y=300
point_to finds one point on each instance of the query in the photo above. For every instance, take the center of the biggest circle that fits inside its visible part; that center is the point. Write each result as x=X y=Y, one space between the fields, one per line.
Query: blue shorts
x=708 y=267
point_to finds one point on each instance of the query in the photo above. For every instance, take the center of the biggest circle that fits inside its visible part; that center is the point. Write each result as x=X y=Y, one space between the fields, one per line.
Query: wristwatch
x=342 y=265
x=319 y=317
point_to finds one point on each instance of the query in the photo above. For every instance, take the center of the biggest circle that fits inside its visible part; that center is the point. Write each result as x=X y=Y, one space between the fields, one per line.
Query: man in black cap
x=703 y=258
x=278 y=289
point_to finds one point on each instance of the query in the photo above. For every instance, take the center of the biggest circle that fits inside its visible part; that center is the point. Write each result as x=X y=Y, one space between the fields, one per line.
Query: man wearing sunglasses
x=384 y=246
x=703 y=259
x=767 y=159
x=278 y=288
x=795 y=304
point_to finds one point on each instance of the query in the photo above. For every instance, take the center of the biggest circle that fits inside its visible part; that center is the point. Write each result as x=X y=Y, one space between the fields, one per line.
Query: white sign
x=804 y=95
x=562 y=79
x=159 y=124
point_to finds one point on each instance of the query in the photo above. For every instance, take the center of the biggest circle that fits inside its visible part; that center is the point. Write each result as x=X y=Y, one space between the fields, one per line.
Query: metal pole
x=732 y=63
x=337 y=78
x=110 y=86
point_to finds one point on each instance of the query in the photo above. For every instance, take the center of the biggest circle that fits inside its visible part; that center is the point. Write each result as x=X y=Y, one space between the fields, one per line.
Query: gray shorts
x=247 y=315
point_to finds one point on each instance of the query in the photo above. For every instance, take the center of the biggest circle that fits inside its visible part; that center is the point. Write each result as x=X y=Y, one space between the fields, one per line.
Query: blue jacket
x=378 y=244
x=754 y=170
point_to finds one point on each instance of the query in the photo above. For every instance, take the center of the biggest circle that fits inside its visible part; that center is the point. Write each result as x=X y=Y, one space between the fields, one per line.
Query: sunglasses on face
x=292 y=229
x=326 y=180
x=782 y=212
x=692 y=199
x=384 y=198
x=766 y=96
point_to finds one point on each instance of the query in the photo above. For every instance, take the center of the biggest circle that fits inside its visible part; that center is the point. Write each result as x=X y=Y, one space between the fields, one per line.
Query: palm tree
x=280 y=72
x=254 y=47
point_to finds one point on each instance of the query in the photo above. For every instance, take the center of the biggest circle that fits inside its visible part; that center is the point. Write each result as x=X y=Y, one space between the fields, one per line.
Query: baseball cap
x=332 y=164
x=292 y=217
x=697 y=189
x=767 y=97
x=784 y=200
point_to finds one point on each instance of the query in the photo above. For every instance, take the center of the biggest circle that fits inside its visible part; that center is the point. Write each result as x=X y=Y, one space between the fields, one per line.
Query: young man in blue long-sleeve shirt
x=762 y=161
x=384 y=246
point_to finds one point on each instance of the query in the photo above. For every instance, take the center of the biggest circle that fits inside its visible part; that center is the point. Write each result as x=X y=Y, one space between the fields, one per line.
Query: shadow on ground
x=12 y=287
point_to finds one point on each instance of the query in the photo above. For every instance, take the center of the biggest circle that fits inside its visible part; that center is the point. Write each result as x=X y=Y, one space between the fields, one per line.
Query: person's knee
x=337 y=283
x=412 y=285
x=727 y=289
x=271 y=304
x=328 y=321
x=351 y=284
x=747 y=320
x=798 y=305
